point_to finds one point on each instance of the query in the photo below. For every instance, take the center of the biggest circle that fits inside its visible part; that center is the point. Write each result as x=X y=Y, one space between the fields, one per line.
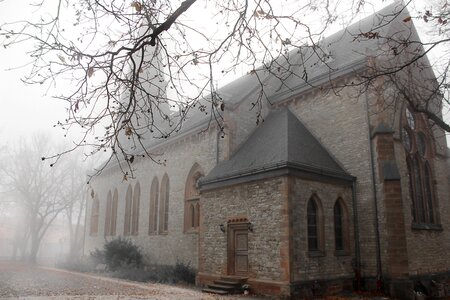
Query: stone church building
x=338 y=188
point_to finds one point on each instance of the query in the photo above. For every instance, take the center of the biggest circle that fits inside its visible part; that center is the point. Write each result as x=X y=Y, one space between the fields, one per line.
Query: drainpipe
x=375 y=200
x=357 y=267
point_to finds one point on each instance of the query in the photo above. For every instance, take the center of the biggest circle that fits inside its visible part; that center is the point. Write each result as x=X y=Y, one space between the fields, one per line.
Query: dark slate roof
x=347 y=55
x=282 y=141
x=302 y=69
x=341 y=53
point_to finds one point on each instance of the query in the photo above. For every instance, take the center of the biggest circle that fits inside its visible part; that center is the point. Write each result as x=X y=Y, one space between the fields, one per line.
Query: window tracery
x=419 y=154
x=191 y=200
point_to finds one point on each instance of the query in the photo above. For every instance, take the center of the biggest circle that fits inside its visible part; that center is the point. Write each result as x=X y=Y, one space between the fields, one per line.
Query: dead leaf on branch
x=128 y=131
x=137 y=6
x=61 y=58
x=90 y=71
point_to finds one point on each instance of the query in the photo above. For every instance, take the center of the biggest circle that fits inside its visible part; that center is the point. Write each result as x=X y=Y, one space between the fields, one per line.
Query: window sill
x=316 y=253
x=191 y=231
x=431 y=227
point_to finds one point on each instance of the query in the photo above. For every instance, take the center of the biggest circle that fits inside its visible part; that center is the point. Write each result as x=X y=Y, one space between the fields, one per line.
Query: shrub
x=154 y=273
x=124 y=260
x=184 y=272
x=181 y=272
x=118 y=253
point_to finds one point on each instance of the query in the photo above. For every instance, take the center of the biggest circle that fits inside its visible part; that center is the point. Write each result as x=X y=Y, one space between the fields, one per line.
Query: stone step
x=215 y=291
x=227 y=282
x=225 y=287
x=234 y=279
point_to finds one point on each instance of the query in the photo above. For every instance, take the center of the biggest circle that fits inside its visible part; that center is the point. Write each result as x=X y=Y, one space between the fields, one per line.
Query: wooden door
x=238 y=250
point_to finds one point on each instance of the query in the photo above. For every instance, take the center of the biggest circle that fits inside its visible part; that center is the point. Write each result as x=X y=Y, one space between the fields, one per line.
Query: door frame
x=232 y=228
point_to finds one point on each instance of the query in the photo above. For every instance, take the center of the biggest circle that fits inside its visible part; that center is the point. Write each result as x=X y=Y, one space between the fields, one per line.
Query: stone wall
x=427 y=250
x=179 y=156
x=329 y=264
x=340 y=123
x=263 y=204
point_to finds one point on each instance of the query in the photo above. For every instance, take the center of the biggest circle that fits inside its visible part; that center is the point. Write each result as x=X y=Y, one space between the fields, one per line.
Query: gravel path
x=20 y=281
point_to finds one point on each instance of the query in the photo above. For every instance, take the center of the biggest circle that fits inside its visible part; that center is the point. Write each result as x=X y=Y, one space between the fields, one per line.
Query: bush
x=119 y=253
x=184 y=272
x=124 y=260
x=181 y=272
x=154 y=273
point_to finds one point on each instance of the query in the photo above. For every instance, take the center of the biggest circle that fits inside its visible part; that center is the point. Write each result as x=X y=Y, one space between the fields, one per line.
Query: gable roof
x=347 y=54
x=310 y=66
x=343 y=52
x=282 y=141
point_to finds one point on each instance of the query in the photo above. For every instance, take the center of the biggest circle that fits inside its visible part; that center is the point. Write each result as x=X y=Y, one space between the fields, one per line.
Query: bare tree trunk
x=34 y=250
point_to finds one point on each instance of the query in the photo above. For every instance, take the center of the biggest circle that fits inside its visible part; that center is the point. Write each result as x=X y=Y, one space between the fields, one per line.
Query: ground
x=21 y=281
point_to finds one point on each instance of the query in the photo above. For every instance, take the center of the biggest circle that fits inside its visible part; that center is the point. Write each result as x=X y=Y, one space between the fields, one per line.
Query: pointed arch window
x=192 y=199
x=128 y=207
x=341 y=228
x=164 y=205
x=95 y=211
x=419 y=154
x=315 y=225
x=115 y=203
x=338 y=227
x=111 y=213
x=135 y=209
x=153 y=213
x=108 y=214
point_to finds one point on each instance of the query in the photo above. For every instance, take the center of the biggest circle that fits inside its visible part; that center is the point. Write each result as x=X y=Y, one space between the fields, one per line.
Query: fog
x=28 y=185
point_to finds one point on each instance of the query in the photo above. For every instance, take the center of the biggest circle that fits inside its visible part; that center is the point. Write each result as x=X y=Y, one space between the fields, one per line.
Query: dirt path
x=20 y=281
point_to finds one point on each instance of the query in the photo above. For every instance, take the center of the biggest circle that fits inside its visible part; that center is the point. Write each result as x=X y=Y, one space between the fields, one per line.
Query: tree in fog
x=75 y=194
x=128 y=61
x=38 y=189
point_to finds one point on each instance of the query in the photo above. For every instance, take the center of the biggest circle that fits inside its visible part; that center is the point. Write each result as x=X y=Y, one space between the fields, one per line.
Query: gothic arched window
x=341 y=229
x=191 y=200
x=135 y=209
x=115 y=203
x=419 y=153
x=108 y=214
x=338 y=227
x=164 y=205
x=315 y=225
x=128 y=206
x=153 y=213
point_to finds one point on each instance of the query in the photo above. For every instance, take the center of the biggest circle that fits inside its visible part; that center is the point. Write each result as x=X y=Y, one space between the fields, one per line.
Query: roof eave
x=316 y=81
x=273 y=170
x=160 y=143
